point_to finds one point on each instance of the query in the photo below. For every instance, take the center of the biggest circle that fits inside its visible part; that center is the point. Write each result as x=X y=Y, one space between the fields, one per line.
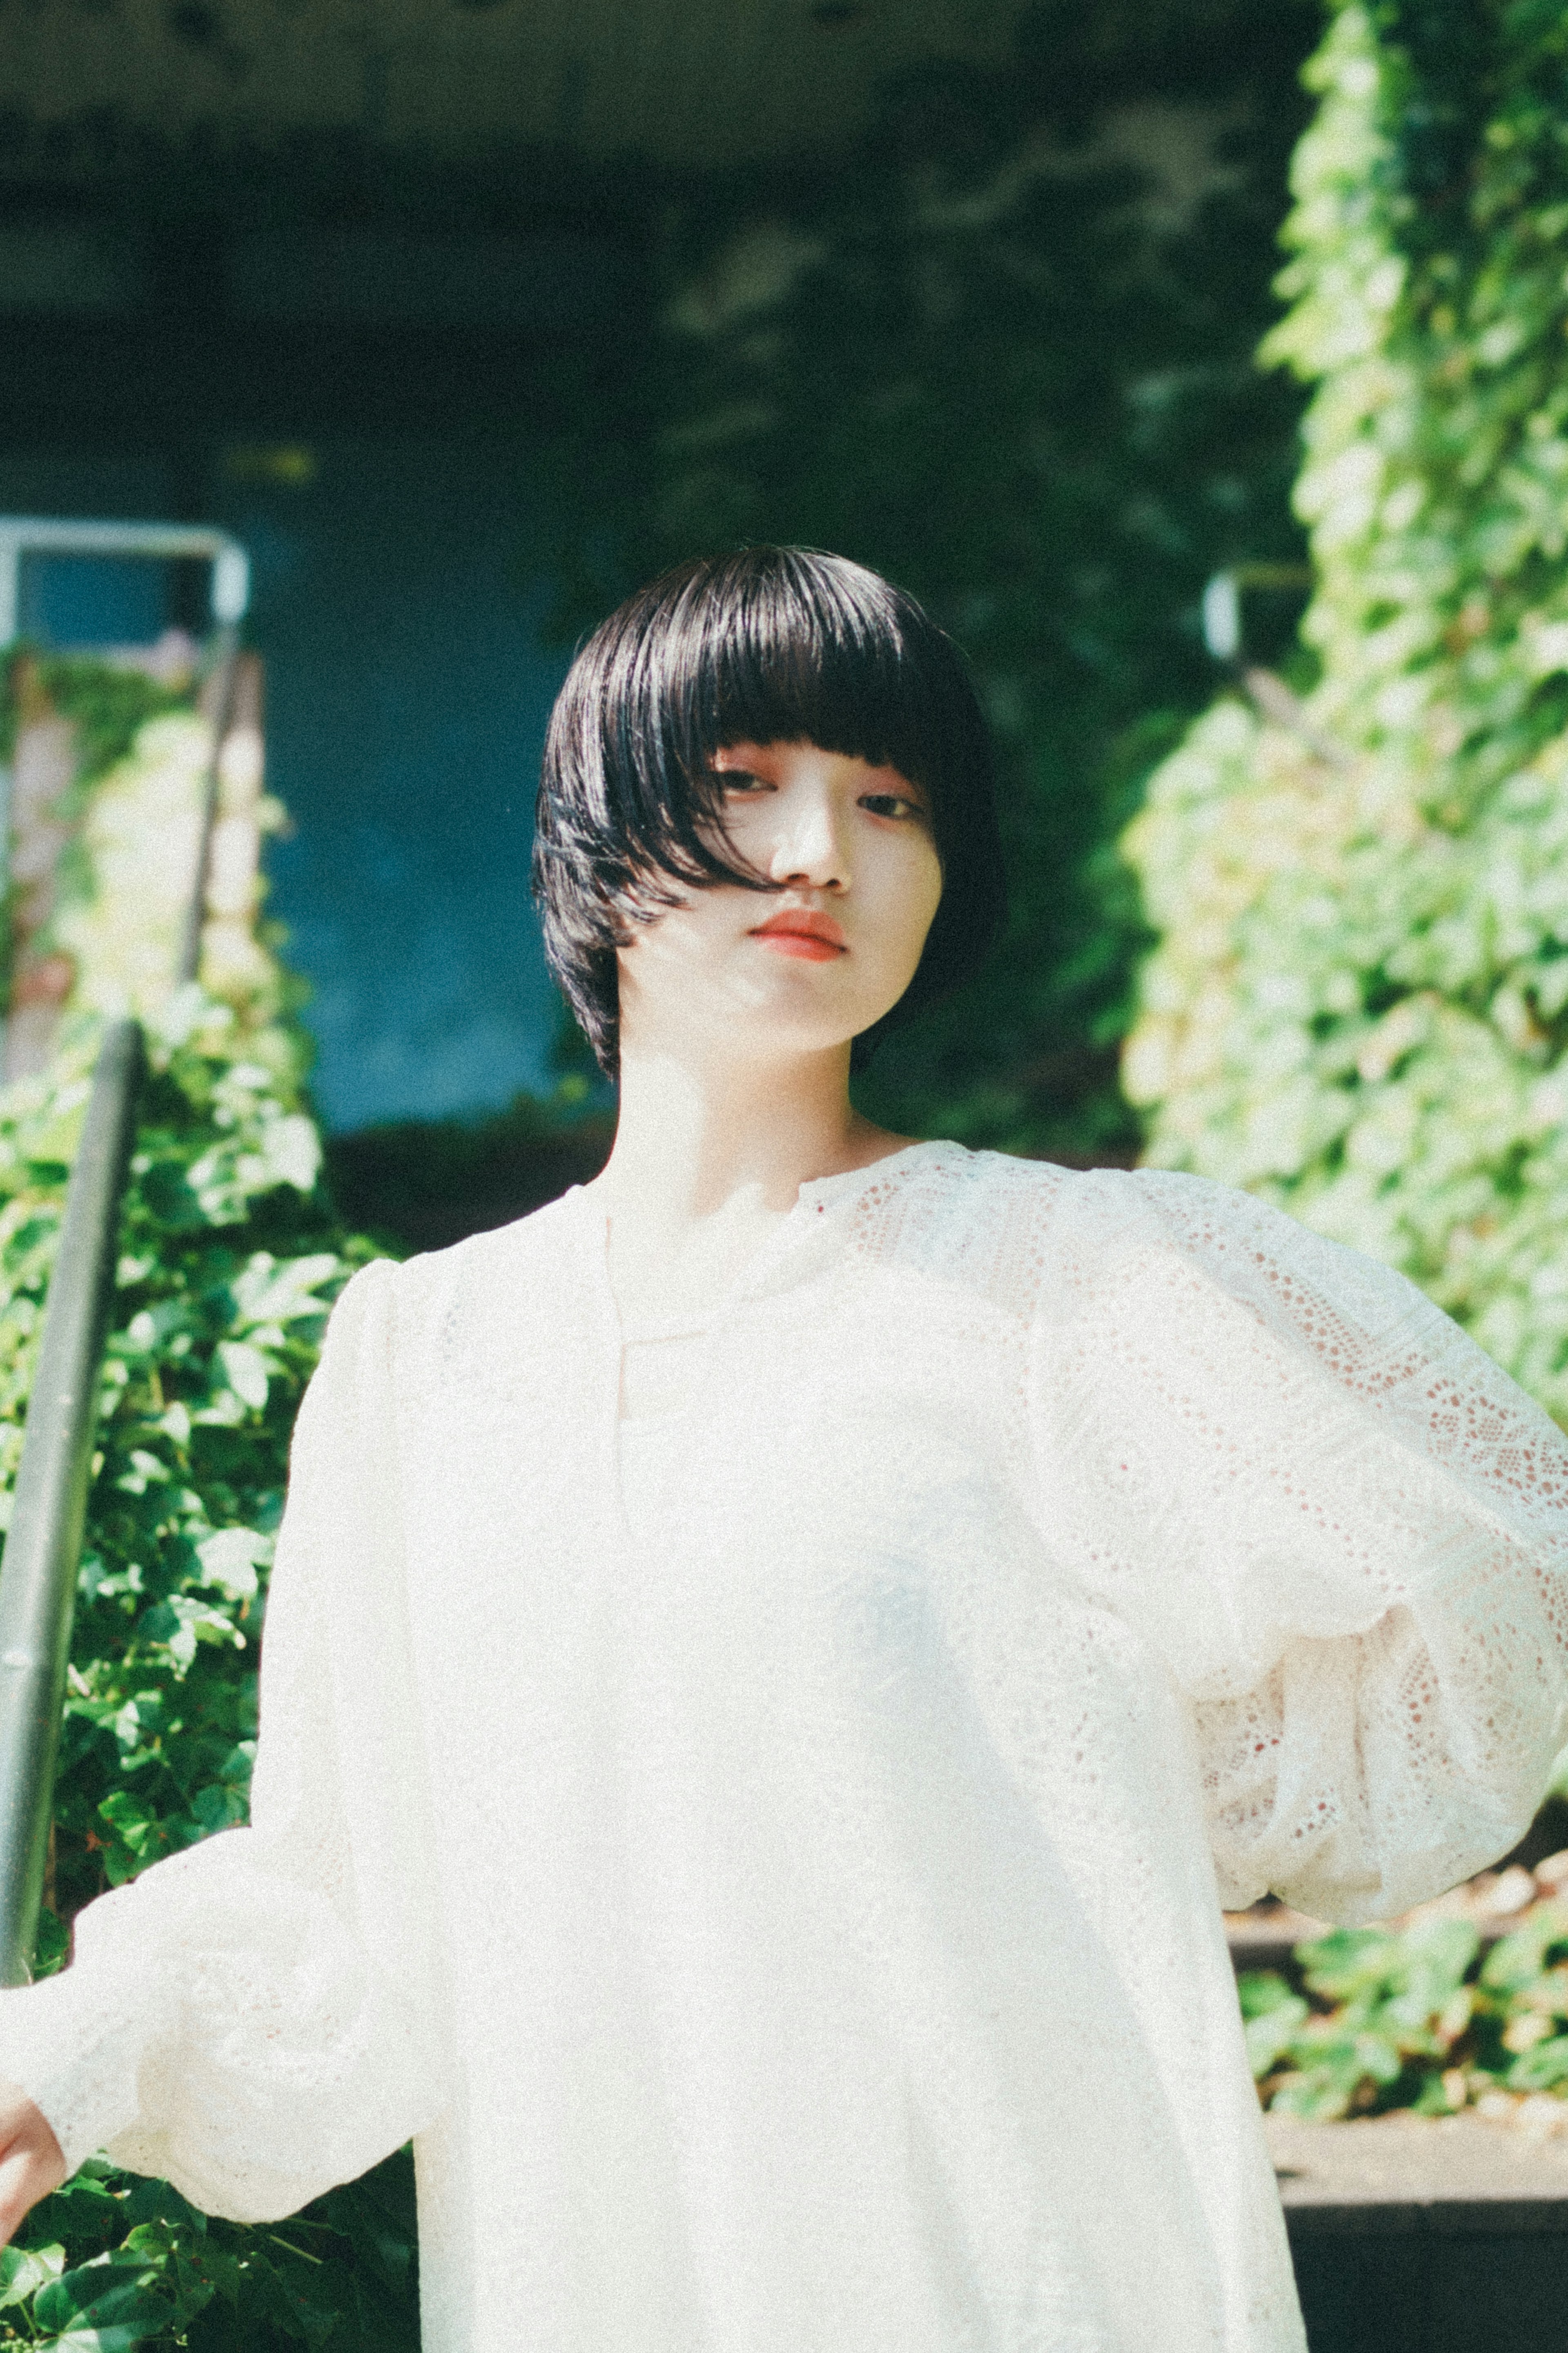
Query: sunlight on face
x=810 y=965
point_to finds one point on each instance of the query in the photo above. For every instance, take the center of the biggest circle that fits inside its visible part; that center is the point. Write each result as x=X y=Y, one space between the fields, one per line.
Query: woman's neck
x=706 y=1159
x=690 y=1139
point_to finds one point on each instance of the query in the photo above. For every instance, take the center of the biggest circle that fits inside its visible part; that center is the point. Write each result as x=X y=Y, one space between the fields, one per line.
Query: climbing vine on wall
x=1358 y=1004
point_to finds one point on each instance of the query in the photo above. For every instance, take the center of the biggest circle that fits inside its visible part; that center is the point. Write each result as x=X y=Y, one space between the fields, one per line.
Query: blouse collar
x=799 y=1235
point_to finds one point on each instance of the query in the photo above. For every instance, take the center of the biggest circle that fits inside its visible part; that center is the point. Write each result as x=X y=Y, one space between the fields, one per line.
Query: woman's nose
x=809 y=847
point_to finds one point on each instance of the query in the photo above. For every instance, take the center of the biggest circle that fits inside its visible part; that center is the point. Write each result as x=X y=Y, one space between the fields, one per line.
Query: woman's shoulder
x=1069 y=1240
x=507 y=1270
x=1005 y=1224
x=988 y=1185
x=1160 y=1205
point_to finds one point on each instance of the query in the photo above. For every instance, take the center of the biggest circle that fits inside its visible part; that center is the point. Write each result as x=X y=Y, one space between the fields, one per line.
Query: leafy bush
x=1359 y=1001
x=107 y=704
x=1417 y=2020
x=231 y=1256
x=114 y=2261
x=230 y=1259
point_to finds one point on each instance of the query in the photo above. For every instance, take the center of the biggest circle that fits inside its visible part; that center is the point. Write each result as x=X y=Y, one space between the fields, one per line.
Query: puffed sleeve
x=256 y=2018
x=1342 y=1527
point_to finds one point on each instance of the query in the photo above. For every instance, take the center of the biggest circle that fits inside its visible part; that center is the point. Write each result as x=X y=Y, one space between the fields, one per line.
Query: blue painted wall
x=408 y=686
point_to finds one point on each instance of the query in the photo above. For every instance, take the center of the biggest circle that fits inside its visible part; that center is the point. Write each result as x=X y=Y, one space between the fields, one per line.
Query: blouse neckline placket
x=843 y=1188
x=814 y=1196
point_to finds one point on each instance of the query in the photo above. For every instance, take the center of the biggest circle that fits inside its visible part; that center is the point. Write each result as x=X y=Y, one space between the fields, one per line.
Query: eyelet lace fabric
x=773 y=1868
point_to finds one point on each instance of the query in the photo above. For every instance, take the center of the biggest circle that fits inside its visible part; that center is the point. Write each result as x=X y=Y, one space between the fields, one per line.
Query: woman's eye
x=741 y=780
x=890 y=805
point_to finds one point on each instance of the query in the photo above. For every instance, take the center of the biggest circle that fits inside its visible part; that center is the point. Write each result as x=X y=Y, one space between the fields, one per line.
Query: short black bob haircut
x=771 y=645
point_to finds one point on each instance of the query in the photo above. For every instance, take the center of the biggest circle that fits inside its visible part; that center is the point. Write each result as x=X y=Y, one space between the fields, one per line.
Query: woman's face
x=812 y=964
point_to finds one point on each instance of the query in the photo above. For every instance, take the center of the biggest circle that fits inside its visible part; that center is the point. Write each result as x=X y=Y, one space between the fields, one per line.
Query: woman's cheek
x=929 y=899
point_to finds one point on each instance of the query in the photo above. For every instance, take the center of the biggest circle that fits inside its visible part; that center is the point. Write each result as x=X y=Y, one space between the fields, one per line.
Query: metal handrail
x=61 y=535
x=43 y=1546
x=38 y=1567
x=222 y=681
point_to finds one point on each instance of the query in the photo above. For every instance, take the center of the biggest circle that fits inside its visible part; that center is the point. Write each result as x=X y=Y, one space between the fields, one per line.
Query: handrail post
x=222 y=682
x=39 y=1566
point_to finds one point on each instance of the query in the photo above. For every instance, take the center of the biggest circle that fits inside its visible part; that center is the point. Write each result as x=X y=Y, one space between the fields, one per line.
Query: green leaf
x=292 y=1149
x=116 y=2337
x=1541 y=2068
x=1515 y=1962
x=267 y=1292
x=229 y=1558
x=1350 y=1962
x=218 y=1808
x=1356 y=1003
x=1273 y=2033
x=1262 y=1991
x=1435 y=1957
x=246 y=1371
x=51 y=1945
x=24 y=2270
x=134 y=1822
x=102 y=2304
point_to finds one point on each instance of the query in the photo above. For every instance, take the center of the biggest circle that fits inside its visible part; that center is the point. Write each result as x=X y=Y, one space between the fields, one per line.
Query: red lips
x=804 y=924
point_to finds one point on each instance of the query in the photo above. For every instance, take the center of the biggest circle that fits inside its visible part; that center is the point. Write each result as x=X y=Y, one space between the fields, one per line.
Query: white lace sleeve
x=253 y=2019
x=1345 y=1529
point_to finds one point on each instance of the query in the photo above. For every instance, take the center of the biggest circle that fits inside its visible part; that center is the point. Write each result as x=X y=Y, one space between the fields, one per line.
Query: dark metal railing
x=218 y=695
x=43 y=1546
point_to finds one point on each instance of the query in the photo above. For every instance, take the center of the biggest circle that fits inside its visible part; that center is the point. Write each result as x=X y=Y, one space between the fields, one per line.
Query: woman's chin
x=777 y=1034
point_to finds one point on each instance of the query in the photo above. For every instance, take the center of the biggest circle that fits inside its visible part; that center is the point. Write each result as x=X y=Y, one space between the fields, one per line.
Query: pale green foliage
x=230 y=1257
x=1424 y=2018
x=1359 y=1001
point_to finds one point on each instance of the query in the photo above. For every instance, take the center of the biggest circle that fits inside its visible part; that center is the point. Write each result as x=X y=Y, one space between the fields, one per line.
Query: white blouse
x=768 y=1860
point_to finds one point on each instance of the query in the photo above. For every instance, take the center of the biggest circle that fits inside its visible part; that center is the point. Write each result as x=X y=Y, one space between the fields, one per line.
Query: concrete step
x=1413 y=2234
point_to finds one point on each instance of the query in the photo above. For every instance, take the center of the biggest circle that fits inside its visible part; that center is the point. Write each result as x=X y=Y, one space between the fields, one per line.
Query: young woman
x=775 y=1661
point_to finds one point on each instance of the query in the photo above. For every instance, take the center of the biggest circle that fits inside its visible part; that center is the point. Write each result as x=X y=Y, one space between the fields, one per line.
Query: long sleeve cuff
x=75 y=2048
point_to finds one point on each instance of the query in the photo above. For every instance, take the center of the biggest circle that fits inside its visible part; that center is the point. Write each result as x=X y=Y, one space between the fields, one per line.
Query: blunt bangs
x=772 y=645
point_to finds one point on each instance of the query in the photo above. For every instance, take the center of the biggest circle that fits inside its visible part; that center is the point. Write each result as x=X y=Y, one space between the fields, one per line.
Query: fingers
x=31 y=2165
x=14 y=2198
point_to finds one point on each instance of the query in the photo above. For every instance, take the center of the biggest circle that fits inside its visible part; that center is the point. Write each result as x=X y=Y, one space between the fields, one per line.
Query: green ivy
x=230 y=1260
x=114 y=2261
x=107 y=706
x=1358 y=1004
x=1417 y=2020
x=230 y=1257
